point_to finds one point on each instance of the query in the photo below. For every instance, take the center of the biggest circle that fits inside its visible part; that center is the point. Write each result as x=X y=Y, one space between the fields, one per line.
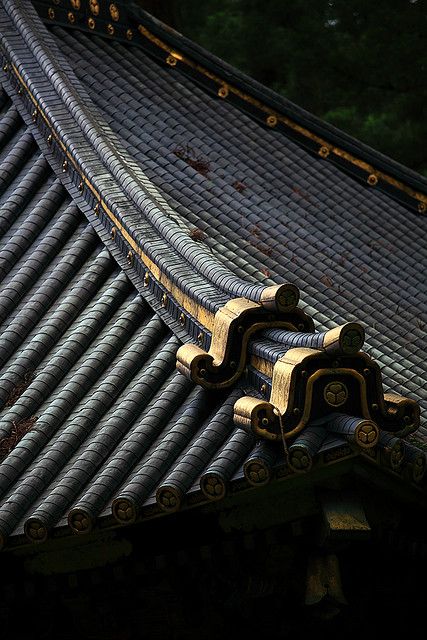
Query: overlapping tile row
x=127 y=22
x=183 y=281
x=95 y=421
x=97 y=426
x=266 y=207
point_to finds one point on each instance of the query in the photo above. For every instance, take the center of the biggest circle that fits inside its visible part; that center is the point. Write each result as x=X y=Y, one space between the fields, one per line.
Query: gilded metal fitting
x=234 y=324
x=91 y=23
x=94 y=7
x=300 y=460
x=168 y=499
x=113 y=233
x=129 y=258
x=366 y=434
x=396 y=455
x=146 y=279
x=182 y=319
x=5 y=67
x=51 y=13
x=164 y=300
x=76 y=4
x=34 y=115
x=323 y=152
x=401 y=415
x=271 y=120
x=80 y=521
x=422 y=207
x=346 y=339
x=129 y=34
x=223 y=91
x=419 y=467
x=110 y=29
x=35 y=530
x=281 y=298
x=49 y=139
x=71 y=17
x=64 y=166
x=124 y=510
x=256 y=472
x=114 y=12
x=372 y=179
x=96 y=209
x=171 y=60
x=212 y=486
x=335 y=393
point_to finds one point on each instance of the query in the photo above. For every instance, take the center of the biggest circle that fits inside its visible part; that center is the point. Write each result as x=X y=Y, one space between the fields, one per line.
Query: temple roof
x=160 y=210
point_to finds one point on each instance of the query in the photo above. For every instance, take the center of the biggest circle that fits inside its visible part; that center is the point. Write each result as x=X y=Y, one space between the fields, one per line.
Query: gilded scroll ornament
x=234 y=324
x=309 y=386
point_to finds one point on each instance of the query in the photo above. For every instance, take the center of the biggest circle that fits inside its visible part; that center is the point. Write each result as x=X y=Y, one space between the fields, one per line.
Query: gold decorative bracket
x=234 y=324
x=308 y=386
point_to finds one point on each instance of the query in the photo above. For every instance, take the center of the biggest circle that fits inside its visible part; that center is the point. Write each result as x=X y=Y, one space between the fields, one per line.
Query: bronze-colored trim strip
x=325 y=148
x=202 y=315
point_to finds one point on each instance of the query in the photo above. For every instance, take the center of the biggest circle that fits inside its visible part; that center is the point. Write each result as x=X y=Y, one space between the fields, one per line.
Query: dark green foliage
x=358 y=64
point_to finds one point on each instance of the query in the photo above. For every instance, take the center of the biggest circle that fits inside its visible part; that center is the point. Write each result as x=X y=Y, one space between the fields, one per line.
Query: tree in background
x=358 y=64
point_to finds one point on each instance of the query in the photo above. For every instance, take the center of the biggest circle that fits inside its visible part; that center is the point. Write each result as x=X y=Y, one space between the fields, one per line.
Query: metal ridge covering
x=133 y=24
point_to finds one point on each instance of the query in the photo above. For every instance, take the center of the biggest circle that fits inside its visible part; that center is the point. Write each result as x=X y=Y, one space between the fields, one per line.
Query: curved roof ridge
x=107 y=146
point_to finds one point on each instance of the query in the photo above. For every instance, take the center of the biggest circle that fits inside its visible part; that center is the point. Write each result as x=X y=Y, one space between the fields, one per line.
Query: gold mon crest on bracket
x=309 y=385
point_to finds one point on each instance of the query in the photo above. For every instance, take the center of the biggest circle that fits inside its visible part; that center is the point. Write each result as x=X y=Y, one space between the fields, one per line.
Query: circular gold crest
x=271 y=121
x=335 y=393
x=223 y=91
x=352 y=339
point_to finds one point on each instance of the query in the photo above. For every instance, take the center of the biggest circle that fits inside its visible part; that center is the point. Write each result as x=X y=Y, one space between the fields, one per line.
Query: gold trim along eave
x=273 y=117
x=202 y=315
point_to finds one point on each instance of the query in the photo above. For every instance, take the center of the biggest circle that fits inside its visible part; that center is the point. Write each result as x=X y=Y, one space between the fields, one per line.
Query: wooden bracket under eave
x=343 y=518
